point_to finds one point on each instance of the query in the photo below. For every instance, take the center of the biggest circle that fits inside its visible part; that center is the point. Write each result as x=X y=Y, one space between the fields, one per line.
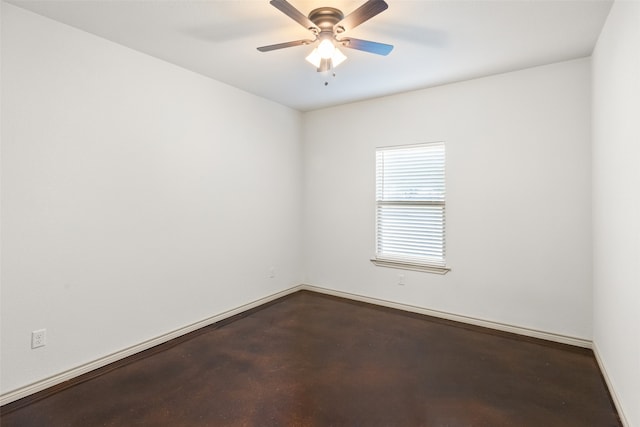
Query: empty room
x=320 y=213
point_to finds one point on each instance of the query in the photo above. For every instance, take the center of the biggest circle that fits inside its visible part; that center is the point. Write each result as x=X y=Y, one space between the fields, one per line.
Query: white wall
x=518 y=197
x=137 y=197
x=616 y=203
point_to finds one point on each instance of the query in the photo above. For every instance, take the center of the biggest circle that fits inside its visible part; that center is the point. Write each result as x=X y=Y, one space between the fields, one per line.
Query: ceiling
x=436 y=42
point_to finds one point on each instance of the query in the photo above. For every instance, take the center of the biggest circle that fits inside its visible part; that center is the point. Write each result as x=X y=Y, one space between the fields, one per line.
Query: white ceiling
x=436 y=42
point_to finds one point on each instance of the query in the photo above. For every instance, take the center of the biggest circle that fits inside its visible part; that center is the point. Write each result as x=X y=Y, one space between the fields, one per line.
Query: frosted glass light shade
x=315 y=58
x=326 y=49
x=338 y=57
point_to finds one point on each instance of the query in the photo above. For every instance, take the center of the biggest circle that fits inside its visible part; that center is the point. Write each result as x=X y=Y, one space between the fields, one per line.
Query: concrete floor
x=314 y=360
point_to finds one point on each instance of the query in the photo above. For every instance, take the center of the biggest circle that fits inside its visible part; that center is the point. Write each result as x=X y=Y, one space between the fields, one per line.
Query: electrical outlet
x=401 y=279
x=38 y=338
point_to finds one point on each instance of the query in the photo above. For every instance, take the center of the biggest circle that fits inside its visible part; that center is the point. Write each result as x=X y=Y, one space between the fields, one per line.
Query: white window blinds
x=410 y=204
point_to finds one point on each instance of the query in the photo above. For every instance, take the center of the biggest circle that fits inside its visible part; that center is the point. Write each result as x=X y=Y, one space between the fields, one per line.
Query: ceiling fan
x=327 y=24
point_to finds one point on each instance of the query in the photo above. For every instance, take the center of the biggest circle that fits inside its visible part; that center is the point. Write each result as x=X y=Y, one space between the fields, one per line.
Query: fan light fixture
x=328 y=25
x=328 y=52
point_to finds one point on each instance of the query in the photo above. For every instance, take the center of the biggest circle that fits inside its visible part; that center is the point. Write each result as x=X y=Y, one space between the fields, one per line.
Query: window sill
x=410 y=266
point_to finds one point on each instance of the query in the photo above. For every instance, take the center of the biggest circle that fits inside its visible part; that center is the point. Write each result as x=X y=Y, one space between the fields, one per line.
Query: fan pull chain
x=326 y=83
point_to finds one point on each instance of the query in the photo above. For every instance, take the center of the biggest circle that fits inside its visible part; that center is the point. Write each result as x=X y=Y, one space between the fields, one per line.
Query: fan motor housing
x=326 y=17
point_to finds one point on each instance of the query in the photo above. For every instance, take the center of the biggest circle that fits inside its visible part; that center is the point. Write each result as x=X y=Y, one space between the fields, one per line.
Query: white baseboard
x=114 y=357
x=579 y=342
x=612 y=391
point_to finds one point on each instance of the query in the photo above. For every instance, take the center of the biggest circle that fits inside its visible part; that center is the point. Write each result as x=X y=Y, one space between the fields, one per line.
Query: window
x=410 y=207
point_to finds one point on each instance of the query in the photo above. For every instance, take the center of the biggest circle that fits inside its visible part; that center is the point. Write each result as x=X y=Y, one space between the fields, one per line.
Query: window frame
x=407 y=262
